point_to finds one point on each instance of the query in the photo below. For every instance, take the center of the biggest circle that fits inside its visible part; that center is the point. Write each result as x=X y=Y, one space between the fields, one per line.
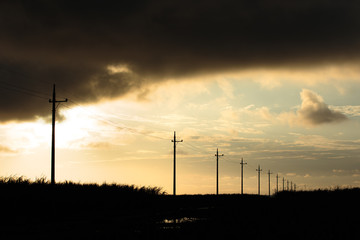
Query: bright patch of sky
x=129 y=141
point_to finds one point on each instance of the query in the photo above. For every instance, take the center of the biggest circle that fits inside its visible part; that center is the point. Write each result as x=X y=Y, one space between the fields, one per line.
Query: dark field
x=74 y=211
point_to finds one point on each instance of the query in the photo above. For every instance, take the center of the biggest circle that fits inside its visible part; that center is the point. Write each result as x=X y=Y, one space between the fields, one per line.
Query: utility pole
x=242 y=174
x=277 y=183
x=175 y=141
x=54 y=106
x=269 y=182
x=283 y=184
x=217 y=170
x=287 y=185
x=258 y=170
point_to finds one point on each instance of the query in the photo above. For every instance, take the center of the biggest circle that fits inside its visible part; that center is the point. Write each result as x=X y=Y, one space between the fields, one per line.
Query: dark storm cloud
x=72 y=43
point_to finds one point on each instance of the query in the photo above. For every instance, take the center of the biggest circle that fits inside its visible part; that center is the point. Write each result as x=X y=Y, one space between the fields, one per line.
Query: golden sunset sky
x=275 y=83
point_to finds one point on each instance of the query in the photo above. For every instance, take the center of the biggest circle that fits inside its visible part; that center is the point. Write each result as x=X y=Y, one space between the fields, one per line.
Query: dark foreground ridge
x=89 y=211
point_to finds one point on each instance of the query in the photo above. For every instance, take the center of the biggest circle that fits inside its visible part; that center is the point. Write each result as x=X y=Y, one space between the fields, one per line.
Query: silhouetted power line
x=109 y=119
x=22 y=90
x=100 y=118
x=227 y=159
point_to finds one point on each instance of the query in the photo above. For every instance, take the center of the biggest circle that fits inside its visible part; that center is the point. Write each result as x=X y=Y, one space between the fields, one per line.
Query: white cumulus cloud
x=313 y=111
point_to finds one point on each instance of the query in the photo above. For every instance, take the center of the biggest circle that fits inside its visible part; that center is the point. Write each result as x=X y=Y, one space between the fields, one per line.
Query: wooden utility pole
x=269 y=182
x=242 y=174
x=217 y=170
x=287 y=185
x=54 y=106
x=175 y=141
x=283 y=184
x=258 y=170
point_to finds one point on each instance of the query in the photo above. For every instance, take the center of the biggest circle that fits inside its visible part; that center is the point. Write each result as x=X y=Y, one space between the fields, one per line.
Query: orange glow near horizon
x=129 y=141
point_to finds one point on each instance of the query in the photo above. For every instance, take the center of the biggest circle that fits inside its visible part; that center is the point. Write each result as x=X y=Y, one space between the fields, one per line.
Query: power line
x=119 y=117
x=41 y=95
x=195 y=149
x=96 y=116
x=226 y=159
x=16 y=75
x=23 y=90
x=38 y=94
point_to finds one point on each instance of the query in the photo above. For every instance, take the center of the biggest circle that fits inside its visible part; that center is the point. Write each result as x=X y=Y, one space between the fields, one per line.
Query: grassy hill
x=110 y=211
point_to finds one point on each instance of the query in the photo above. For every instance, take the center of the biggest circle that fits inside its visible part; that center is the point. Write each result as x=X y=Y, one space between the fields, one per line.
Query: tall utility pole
x=242 y=174
x=217 y=170
x=283 y=184
x=269 y=182
x=175 y=141
x=54 y=101
x=258 y=170
x=277 y=183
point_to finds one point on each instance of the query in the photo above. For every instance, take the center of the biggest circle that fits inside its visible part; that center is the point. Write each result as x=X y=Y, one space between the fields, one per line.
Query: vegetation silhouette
x=37 y=209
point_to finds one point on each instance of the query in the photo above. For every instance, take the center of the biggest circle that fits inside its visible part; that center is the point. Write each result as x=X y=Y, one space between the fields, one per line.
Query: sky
x=275 y=83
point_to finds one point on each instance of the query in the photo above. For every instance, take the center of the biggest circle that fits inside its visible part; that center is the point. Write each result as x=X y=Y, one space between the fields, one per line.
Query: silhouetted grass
x=113 y=187
x=113 y=211
x=37 y=208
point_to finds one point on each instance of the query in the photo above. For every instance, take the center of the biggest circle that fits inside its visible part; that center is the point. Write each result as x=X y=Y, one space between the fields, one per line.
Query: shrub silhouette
x=114 y=211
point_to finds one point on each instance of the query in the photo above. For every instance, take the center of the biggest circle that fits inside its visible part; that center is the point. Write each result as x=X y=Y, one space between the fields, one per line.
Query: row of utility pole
x=56 y=103
x=277 y=182
x=242 y=163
